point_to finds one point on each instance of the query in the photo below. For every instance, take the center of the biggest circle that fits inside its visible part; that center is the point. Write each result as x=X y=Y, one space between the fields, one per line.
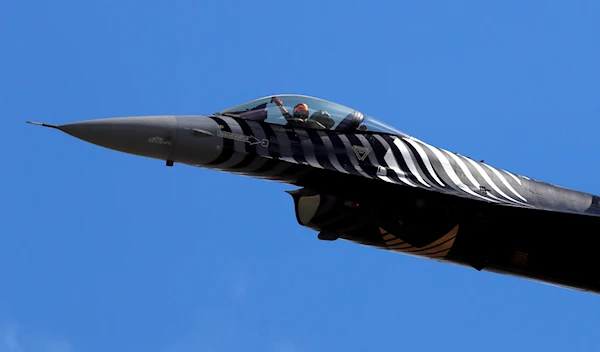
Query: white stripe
x=285 y=145
x=387 y=179
x=409 y=161
x=390 y=160
x=513 y=176
x=239 y=148
x=450 y=172
x=307 y=147
x=467 y=172
x=393 y=165
x=490 y=182
x=372 y=158
x=426 y=160
x=510 y=188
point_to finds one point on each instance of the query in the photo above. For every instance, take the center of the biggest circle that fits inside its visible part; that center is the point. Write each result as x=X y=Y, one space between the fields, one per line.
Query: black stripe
x=250 y=149
x=248 y=159
x=295 y=170
x=379 y=152
x=268 y=166
x=366 y=164
x=595 y=206
x=290 y=173
x=342 y=157
x=296 y=144
x=227 y=151
x=301 y=172
x=320 y=150
x=274 y=150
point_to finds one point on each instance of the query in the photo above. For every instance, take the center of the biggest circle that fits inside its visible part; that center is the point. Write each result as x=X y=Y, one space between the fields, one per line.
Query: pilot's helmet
x=324 y=118
x=301 y=111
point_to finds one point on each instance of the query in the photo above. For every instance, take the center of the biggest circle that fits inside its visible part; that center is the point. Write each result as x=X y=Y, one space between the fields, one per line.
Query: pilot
x=300 y=114
x=321 y=119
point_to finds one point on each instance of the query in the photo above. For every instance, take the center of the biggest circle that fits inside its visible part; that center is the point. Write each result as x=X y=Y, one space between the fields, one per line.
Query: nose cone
x=150 y=136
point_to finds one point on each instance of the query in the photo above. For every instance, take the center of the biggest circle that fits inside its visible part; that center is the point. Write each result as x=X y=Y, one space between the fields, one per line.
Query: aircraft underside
x=528 y=243
x=510 y=237
x=557 y=249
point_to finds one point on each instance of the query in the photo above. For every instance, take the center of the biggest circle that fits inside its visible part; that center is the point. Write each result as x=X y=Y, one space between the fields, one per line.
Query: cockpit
x=307 y=112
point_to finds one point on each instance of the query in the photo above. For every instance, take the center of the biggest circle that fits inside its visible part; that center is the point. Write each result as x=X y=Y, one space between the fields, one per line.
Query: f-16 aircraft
x=361 y=180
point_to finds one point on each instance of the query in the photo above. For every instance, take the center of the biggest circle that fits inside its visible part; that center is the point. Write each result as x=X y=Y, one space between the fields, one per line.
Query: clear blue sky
x=102 y=251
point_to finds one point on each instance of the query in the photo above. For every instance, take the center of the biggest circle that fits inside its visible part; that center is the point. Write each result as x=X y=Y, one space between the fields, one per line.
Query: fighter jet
x=361 y=180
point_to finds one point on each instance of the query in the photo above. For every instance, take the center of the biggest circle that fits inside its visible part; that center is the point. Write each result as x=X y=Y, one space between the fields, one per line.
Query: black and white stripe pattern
x=400 y=160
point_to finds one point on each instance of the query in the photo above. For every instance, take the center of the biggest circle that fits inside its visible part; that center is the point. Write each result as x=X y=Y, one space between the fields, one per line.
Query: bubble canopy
x=308 y=112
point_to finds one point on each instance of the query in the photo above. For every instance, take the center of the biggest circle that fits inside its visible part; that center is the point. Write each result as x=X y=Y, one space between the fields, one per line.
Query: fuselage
x=281 y=153
x=395 y=172
x=366 y=182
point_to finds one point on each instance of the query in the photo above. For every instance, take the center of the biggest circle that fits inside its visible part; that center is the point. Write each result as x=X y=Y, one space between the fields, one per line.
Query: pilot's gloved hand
x=276 y=101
